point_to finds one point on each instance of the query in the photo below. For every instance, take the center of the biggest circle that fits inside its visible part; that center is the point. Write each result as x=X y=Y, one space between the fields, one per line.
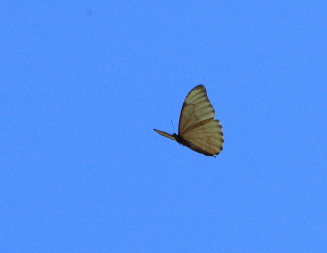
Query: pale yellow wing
x=196 y=108
x=197 y=124
x=207 y=137
x=165 y=134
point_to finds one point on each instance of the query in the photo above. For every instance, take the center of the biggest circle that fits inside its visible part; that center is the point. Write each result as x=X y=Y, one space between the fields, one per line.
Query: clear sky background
x=82 y=85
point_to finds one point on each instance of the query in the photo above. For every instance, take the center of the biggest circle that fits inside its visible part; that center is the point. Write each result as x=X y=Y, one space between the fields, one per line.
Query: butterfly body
x=198 y=129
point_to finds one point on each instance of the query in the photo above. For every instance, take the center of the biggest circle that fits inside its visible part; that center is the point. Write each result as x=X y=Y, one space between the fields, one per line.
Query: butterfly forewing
x=196 y=108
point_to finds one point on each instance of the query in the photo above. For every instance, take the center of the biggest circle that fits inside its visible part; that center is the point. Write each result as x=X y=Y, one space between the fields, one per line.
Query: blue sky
x=83 y=83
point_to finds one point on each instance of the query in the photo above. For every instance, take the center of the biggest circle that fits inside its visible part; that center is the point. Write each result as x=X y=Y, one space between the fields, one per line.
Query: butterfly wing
x=207 y=138
x=197 y=125
x=165 y=134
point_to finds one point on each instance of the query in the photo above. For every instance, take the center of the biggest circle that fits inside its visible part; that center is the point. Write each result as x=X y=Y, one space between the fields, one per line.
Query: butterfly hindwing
x=208 y=136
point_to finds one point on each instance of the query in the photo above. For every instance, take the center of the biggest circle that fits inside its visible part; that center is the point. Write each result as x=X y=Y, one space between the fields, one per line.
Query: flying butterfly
x=198 y=129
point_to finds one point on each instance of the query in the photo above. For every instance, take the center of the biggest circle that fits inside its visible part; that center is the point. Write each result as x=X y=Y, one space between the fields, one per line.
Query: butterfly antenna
x=172 y=125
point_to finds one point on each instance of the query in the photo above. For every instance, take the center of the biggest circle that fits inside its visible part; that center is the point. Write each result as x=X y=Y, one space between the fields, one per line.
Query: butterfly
x=198 y=129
